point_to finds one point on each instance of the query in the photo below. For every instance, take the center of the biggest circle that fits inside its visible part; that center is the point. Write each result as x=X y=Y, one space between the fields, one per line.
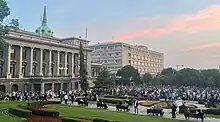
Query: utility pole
x=86 y=35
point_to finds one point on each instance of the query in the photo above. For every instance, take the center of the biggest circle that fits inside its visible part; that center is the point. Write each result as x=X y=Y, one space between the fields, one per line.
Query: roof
x=72 y=38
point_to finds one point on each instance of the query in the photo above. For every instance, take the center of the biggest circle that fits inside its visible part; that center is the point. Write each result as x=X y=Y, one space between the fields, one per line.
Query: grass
x=212 y=116
x=75 y=112
x=6 y=118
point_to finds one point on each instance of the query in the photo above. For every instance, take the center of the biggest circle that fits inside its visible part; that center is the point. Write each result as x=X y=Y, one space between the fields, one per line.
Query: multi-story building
x=115 y=55
x=39 y=61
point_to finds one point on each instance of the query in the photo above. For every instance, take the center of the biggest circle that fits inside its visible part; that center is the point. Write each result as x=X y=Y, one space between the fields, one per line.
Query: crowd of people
x=165 y=92
x=146 y=92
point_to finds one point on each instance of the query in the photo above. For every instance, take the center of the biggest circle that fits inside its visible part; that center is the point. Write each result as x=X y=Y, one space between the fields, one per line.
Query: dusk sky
x=186 y=31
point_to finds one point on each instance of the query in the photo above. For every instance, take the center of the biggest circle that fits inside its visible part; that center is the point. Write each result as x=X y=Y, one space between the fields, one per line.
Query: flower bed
x=35 y=108
x=35 y=118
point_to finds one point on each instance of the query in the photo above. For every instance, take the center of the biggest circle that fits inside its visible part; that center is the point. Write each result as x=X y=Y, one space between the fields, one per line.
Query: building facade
x=115 y=55
x=38 y=61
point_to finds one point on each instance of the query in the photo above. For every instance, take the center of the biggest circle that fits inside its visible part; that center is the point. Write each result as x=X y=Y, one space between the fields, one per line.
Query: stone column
x=72 y=65
x=9 y=62
x=31 y=62
x=42 y=88
x=41 y=62
x=65 y=64
x=58 y=63
x=32 y=87
x=20 y=62
x=49 y=65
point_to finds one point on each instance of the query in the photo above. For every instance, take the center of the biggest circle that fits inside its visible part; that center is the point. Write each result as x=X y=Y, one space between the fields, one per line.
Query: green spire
x=44 y=29
x=44 y=22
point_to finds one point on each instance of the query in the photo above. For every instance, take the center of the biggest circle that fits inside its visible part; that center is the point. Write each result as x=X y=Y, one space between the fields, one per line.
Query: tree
x=4 y=28
x=147 y=78
x=14 y=24
x=188 y=76
x=104 y=80
x=82 y=71
x=129 y=74
x=4 y=12
x=168 y=71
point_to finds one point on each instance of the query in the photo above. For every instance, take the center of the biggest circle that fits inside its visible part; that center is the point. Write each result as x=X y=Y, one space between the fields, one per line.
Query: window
x=12 y=53
x=44 y=55
x=12 y=70
x=52 y=56
x=24 y=54
x=34 y=55
x=42 y=30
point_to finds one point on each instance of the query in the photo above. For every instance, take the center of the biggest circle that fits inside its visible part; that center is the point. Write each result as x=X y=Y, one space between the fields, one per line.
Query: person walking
x=136 y=106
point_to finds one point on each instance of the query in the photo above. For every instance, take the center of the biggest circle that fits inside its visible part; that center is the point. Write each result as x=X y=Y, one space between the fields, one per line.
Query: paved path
x=167 y=112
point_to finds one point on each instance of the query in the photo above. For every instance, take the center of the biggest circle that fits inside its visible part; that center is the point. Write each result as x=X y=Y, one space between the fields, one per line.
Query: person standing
x=66 y=98
x=174 y=111
x=136 y=106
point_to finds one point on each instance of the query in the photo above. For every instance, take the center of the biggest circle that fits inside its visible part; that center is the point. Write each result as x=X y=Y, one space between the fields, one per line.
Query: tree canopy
x=104 y=80
x=129 y=74
x=82 y=71
x=4 y=27
x=186 y=77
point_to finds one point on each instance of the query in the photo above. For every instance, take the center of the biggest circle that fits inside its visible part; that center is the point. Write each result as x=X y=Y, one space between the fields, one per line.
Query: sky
x=186 y=31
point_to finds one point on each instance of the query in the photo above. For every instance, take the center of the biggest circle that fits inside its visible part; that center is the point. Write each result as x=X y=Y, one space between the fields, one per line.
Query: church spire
x=44 y=22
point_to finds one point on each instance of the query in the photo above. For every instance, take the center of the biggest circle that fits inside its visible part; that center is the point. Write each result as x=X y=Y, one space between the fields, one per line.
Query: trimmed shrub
x=41 y=103
x=114 y=100
x=118 y=97
x=20 y=112
x=73 y=120
x=46 y=113
x=212 y=111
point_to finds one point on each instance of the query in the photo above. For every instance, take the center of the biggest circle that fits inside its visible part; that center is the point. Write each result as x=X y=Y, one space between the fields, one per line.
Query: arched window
x=14 y=87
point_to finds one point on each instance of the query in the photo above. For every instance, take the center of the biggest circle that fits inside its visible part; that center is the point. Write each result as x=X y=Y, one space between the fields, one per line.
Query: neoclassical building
x=38 y=61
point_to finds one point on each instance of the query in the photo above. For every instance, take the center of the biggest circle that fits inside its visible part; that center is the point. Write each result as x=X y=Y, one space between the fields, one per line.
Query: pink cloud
x=201 y=20
x=203 y=46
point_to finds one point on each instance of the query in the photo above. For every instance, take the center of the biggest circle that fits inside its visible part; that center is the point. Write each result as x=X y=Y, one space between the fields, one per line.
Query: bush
x=46 y=113
x=41 y=103
x=212 y=111
x=20 y=112
x=73 y=120
x=118 y=97
x=114 y=100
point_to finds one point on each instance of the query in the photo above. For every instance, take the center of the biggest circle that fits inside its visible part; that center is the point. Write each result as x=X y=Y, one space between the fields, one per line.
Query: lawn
x=73 y=112
x=6 y=118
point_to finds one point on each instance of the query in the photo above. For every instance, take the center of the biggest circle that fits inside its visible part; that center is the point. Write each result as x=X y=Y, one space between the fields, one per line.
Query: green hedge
x=118 y=97
x=20 y=112
x=212 y=111
x=46 y=113
x=43 y=103
x=114 y=100
x=73 y=120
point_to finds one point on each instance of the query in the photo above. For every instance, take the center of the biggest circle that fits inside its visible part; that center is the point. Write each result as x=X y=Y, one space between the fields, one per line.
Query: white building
x=38 y=61
x=115 y=55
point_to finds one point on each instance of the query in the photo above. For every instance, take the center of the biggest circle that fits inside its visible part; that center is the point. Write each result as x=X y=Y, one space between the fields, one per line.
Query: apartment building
x=114 y=55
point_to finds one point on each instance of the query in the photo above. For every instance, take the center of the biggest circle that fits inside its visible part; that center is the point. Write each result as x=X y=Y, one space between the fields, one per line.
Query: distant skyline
x=186 y=31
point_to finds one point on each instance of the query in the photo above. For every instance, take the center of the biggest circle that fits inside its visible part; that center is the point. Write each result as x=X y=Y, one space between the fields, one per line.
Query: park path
x=167 y=112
